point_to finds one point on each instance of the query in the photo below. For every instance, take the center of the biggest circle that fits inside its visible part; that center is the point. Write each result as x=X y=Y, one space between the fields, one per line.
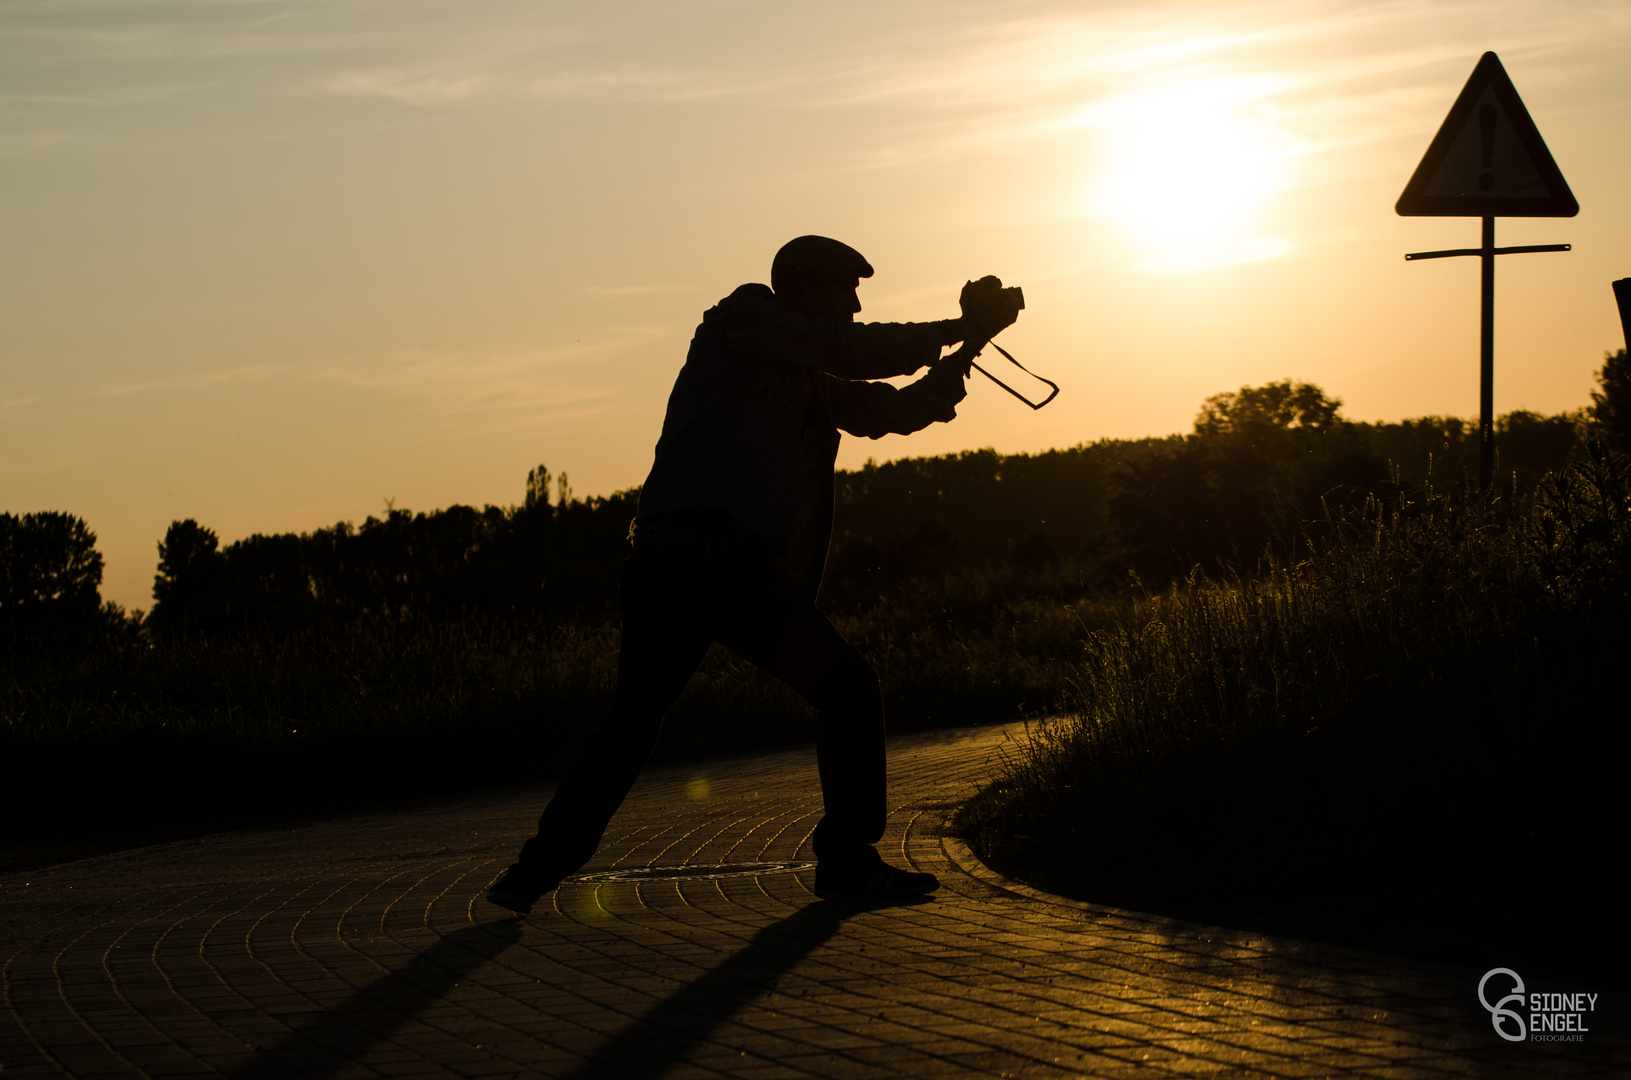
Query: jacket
x=753 y=421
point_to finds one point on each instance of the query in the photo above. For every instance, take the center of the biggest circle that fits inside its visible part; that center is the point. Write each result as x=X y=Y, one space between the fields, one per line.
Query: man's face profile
x=831 y=299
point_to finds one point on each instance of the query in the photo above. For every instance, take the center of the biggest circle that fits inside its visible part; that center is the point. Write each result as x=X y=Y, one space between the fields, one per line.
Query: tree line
x=518 y=560
x=1261 y=466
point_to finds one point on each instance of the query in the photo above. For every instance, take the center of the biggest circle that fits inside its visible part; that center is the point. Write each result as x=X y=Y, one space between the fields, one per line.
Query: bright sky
x=268 y=264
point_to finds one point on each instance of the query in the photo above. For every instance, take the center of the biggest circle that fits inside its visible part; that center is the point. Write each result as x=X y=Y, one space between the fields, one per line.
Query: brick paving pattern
x=360 y=947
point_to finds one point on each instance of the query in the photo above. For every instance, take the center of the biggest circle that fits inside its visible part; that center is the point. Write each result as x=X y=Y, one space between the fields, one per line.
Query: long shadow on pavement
x=661 y=1038
x=664 y=1036
x=338 y=1036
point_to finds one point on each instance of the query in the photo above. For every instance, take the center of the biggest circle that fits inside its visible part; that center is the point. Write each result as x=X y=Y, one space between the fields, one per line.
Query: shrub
x=1358 y=741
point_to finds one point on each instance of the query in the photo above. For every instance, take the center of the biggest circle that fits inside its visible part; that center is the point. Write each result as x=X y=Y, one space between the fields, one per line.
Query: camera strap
x=1026 y=370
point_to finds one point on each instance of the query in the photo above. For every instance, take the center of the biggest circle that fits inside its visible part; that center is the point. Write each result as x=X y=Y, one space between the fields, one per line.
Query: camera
x=989 y=306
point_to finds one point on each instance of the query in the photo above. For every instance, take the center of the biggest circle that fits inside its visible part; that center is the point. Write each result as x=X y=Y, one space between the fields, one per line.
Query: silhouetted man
x=731 y=540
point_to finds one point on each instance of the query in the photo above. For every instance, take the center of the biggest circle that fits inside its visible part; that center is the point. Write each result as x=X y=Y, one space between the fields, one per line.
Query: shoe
x=516 y=890
x=877 y=881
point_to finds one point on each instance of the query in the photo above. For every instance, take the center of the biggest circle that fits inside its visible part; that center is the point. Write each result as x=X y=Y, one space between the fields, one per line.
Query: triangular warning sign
x=1488 y=159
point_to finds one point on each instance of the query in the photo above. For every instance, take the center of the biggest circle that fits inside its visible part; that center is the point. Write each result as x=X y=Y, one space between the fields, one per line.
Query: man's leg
x=765 y=618
x=665 y=635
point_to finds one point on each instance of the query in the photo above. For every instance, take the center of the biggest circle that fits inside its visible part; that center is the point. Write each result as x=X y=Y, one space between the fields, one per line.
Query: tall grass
x=171 y=736
x=1425 y=717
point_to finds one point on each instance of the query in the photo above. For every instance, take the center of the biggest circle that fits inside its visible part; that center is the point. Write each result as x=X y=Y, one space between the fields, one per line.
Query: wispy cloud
x=421 y=53
x=28 y=142
x=1215 y=256
x=112 y=30
x=626 y=290
x=1111 y=50
x=105 y=97
x=534 y=381
x=477 y=82
x=251 y=373
x=1009 y=80
x=408 y=88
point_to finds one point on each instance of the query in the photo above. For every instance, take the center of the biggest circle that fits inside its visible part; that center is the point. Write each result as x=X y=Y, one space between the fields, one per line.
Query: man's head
x=818 y=276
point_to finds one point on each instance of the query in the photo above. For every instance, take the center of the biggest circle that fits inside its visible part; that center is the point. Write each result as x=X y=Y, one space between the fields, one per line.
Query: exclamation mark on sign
x=1486 y=129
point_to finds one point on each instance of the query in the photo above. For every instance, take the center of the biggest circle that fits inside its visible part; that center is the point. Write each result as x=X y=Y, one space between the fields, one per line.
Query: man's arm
x=761 y=327
x=874 y=409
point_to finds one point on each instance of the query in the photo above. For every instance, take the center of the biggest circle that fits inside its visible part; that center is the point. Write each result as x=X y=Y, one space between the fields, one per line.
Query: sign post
x=1487 y=161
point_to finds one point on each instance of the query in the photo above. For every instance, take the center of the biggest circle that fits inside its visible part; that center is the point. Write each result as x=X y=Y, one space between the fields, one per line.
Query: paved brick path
x=358 y=947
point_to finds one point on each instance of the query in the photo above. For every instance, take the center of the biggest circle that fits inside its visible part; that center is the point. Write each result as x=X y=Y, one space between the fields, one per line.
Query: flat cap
x=816 y=260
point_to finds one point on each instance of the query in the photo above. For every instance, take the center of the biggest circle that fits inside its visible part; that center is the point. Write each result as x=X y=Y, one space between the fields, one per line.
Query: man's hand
x=988 y=308
x=948 y=375
x=962 y=359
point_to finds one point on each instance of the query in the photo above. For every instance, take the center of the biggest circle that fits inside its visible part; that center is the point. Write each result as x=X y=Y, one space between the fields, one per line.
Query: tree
x=187 y=588
x=1273 y=451
x=1285 y=405
x=1264 y=464
x=48 y=558
x=50 y=579
x=1611 y=406
x=1529 y=445
x=1164 y=510
x=537 y=488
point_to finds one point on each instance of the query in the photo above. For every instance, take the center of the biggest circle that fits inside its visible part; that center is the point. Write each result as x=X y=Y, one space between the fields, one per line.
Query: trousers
x=677 y=600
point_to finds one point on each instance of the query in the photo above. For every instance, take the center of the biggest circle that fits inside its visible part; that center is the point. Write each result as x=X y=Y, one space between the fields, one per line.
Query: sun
x=1188 y=171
